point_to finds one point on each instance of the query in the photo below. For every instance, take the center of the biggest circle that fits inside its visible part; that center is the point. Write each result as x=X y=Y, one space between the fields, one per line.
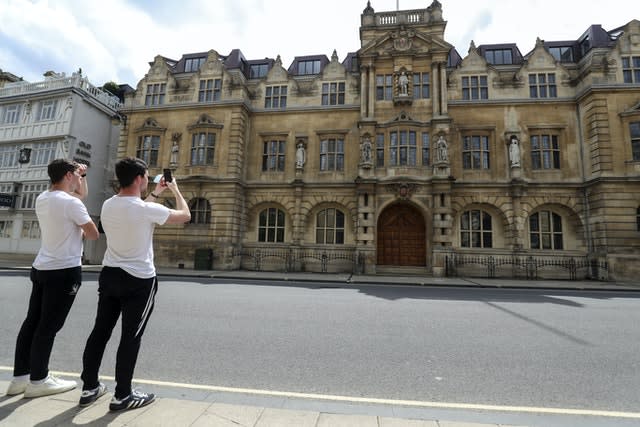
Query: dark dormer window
x=499 y=56
x=193 y=64
x=309 y=67
x=562 y=53
x=585 y=45
x=257 y=71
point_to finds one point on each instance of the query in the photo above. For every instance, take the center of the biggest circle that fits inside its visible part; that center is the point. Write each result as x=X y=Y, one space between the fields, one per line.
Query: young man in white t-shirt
x=127 y=284
x=56 y=276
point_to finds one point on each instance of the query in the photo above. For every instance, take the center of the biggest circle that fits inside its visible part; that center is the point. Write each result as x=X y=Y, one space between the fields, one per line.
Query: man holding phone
x=56 y=277
x=127 y=284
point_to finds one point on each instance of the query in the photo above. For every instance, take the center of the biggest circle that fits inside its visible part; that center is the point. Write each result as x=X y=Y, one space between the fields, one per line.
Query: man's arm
x=181 y=213
x=90 y=231
x=82 y=191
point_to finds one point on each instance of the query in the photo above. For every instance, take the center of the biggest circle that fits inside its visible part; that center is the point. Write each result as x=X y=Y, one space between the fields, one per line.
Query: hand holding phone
x=167 y=175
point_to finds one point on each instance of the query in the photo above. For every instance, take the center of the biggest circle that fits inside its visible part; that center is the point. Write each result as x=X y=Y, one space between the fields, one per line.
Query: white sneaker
x=16 y=387
x=51 y=385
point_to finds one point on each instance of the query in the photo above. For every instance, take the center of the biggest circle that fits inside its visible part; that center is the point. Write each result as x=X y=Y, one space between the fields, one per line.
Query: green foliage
x=111 y=87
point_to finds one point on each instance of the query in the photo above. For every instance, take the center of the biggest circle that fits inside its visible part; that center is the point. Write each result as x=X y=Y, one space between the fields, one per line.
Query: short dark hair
x=58 y=168
x=128 y=168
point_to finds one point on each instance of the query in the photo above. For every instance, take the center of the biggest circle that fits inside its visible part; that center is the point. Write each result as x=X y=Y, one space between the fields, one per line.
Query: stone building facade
x=404 y=156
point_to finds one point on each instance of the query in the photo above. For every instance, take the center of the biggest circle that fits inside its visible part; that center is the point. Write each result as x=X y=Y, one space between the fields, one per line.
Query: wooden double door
x=401 y=238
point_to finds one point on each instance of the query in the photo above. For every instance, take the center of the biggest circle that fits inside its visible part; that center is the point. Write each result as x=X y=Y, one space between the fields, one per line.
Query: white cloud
x=116 y=40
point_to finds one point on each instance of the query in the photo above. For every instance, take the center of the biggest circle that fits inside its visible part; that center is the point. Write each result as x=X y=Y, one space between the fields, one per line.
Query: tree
x=112 y=88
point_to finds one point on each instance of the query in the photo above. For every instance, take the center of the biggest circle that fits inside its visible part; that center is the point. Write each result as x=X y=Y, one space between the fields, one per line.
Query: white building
x=60 y=117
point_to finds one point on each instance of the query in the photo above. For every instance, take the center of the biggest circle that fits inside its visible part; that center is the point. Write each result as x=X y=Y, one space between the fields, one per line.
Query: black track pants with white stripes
x=118 y=293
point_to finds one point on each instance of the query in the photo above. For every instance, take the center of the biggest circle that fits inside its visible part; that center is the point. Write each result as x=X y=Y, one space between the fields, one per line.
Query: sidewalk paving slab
x=224 y=414
x=63 y=409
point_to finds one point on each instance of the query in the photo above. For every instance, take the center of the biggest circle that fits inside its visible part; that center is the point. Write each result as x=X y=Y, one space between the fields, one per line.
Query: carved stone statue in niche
x=514 y=152
x=175 y=148
x=403 y=84
x=365 y=151
x=301 y=155
x=442 y=155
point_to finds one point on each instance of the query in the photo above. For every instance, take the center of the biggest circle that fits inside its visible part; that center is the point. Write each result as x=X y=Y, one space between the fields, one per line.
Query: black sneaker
x=89 y=396
x=136 y=399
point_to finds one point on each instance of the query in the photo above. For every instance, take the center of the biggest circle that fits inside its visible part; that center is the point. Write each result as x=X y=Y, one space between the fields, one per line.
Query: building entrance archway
x=401 y=238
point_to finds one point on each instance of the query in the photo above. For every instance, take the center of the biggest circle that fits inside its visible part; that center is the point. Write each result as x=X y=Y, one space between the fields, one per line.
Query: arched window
x=200 y=211
x=476 y=230
x=271 y=225
x=545 y=230
x=330 y=226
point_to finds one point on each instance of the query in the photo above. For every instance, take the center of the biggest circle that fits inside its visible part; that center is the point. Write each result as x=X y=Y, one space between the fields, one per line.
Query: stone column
x=364 y=92
x=443 y=89
x=372 y=91
x=435 y=84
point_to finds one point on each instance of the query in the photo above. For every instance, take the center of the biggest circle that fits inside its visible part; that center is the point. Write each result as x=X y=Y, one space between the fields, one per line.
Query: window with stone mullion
x=384 y=87
x=147 y=150
x=402 y=148
x=271 y=225
x=273 y=156
x=332 y=154
x=542 y=85
x=155 y=94
x=634 y=130
x=421 y=85
x=476 y=229
x=545 y=151
x=330 y=226
x=333 y=93
x=275 y=97
x=209 y=90
x=545 y=230
x=203 y=145
x=631 y=69
x=475 y=87
x=475 y=152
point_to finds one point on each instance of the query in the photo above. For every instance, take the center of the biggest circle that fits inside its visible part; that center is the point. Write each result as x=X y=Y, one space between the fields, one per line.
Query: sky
x=115 y=40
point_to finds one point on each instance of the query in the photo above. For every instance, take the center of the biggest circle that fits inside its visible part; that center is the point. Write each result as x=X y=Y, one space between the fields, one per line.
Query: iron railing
x=300 y=259
x=526 y=266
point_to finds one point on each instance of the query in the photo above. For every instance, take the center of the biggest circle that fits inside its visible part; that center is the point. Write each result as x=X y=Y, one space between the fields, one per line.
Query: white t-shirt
x=128 y=223
x=60 y=216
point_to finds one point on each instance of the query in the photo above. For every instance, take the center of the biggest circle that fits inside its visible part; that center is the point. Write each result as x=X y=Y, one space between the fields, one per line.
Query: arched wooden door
x=401 y=236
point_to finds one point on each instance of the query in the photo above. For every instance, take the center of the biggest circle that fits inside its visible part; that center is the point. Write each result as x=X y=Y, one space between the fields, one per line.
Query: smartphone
x=167 y=175
x=157 y=178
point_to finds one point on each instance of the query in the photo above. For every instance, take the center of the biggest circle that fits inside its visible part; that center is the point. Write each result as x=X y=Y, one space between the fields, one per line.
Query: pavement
x=201 y=405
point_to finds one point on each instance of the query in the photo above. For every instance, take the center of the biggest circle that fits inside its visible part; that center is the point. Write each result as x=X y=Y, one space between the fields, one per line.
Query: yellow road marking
x=373 y=400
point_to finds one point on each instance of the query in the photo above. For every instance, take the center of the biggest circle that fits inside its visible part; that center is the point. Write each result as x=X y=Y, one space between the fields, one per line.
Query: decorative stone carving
x=514 y=152
x=366 y=158
x=175 y=148
x=301 y=154
x=403 y=190
x=403 y=39
x=442 y=153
